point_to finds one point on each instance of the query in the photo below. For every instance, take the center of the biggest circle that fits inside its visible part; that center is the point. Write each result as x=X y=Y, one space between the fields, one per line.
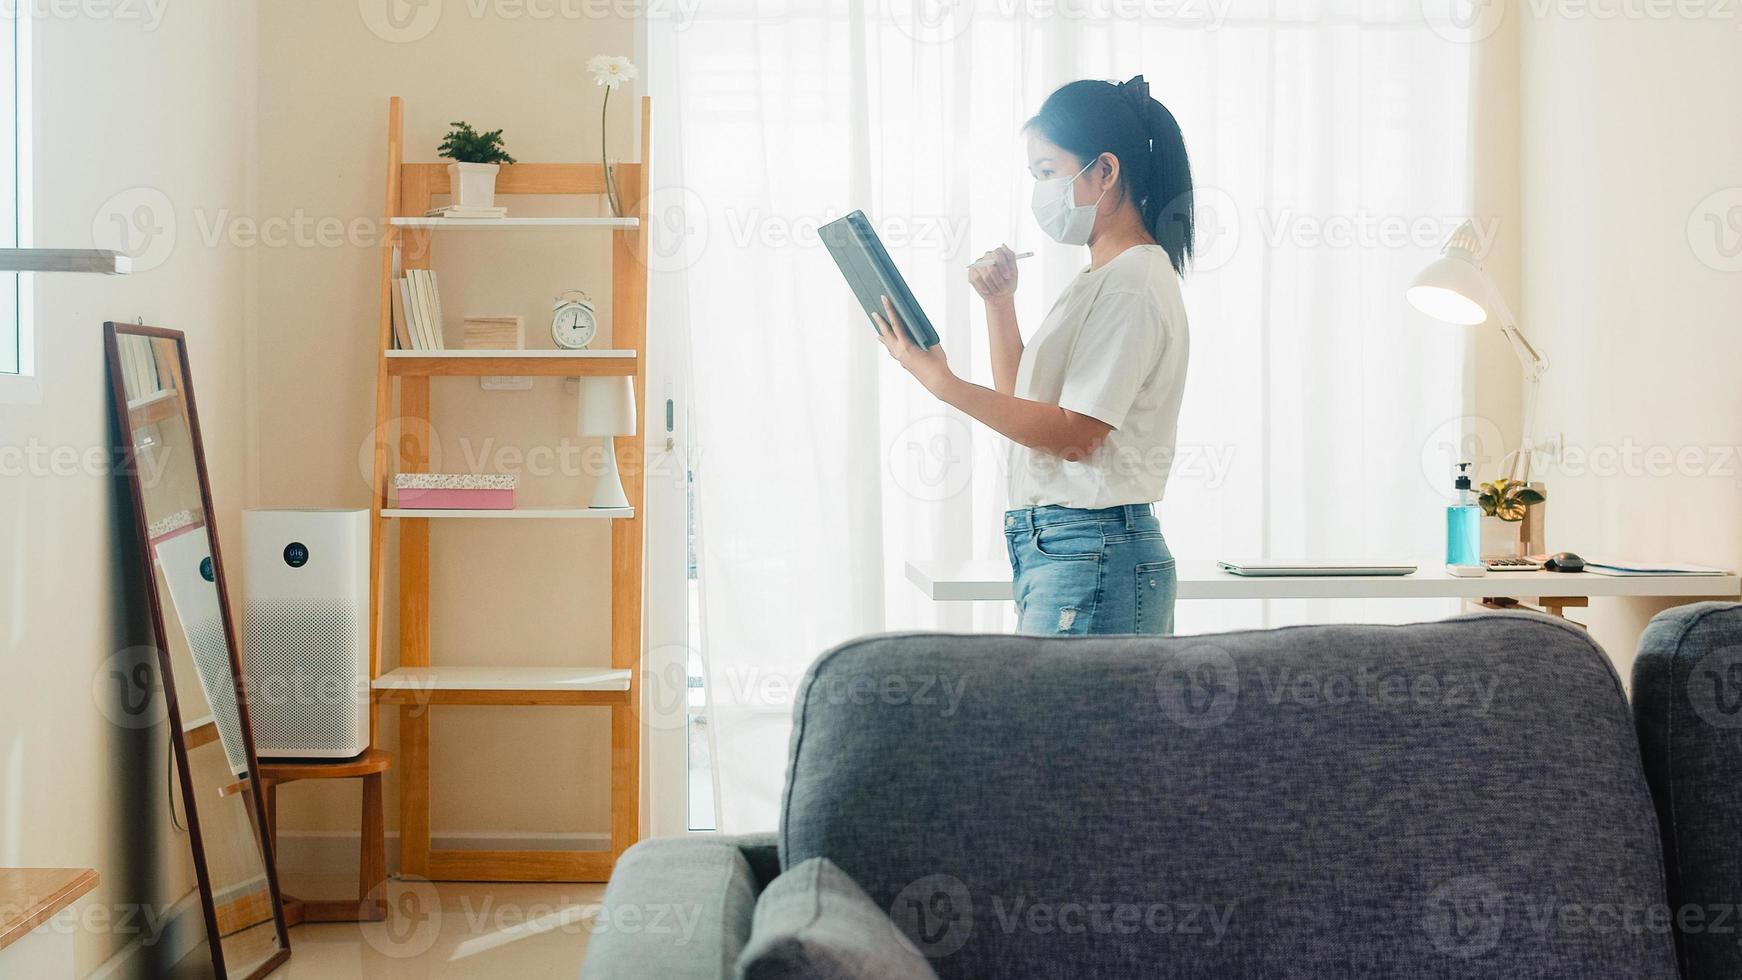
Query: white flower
x=611 y=70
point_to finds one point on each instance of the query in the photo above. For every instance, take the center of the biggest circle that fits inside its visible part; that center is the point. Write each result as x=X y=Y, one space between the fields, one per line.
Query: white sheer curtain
x=1331 y=147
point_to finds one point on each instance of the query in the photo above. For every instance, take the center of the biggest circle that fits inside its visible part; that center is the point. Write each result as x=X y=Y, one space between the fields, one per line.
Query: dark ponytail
x=1090 y=117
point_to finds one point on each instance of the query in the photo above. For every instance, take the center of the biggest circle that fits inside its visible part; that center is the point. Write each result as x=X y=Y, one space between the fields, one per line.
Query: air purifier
x=306 y=616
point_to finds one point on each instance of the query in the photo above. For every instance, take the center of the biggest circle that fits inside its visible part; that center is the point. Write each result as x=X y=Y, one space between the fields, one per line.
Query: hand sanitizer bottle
x=1464 y=524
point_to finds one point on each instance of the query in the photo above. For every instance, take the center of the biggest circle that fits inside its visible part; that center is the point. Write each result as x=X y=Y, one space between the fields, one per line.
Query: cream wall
x=503 y=592
x=1629 y=130
x=152 y=119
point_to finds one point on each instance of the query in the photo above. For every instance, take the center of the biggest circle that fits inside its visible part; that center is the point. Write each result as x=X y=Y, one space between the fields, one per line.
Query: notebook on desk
x=1279 y=569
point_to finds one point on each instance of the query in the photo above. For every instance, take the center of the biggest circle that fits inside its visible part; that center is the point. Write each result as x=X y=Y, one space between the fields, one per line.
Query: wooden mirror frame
x=254 y=799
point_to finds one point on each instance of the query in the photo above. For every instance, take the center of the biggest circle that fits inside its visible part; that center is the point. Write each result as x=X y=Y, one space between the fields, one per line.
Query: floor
x=447 y=930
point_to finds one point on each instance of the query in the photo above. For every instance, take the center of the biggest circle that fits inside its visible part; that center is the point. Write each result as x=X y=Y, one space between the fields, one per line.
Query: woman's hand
x=930 y=367
x=994 y=275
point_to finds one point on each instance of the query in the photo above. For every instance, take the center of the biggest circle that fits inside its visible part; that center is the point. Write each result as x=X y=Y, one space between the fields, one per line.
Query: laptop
x=868 y=269
x=1291 y=569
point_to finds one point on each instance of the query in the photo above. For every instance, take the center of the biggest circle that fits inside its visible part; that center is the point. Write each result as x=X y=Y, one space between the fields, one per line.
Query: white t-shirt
x=1114 y=348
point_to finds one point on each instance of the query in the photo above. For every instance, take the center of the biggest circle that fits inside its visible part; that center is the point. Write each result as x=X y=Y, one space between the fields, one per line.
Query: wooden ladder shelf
x=402 y=433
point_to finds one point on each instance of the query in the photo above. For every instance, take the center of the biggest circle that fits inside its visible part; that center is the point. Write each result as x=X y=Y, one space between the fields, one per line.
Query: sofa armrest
x=676 y=908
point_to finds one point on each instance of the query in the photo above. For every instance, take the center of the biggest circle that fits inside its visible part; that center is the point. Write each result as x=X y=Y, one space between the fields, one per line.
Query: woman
x=1091 y=403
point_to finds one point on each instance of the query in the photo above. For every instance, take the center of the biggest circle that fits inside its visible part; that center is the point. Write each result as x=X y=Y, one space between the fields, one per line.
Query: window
x=16 y=335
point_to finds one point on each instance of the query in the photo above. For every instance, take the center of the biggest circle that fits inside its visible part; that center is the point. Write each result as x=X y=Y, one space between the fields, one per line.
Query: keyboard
x=1503 y=563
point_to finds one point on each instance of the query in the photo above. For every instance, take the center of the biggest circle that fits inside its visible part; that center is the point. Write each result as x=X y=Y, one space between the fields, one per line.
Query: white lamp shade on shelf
x=608 y=406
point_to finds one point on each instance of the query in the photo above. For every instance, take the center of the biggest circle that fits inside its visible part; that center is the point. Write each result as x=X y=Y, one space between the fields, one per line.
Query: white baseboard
x=335 y=852
x=182 y=931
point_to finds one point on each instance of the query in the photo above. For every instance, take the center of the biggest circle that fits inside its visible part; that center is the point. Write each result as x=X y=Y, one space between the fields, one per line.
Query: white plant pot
x=473 y=184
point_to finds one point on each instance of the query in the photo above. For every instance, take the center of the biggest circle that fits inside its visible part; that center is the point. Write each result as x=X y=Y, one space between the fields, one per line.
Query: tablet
x=872 y=275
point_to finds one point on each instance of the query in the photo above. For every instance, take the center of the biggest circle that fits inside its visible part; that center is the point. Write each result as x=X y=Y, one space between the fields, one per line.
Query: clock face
x=573 y=326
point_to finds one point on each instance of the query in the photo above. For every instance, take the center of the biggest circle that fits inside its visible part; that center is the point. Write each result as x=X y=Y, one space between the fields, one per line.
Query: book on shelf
x=458 y=211
x=417 y=305
x=455 y=491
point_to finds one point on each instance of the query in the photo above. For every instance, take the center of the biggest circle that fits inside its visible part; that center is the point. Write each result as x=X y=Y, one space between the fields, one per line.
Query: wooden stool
x=371 y=904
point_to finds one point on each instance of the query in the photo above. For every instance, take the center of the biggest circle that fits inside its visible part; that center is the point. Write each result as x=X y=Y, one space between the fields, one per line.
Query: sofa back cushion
x=1453 y=799
x=1687 y=699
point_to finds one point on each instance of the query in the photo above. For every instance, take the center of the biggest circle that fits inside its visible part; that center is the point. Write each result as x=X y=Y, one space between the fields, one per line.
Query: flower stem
x=605 y=159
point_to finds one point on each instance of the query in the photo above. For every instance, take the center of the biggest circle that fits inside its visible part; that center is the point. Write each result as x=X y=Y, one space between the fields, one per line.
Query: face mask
x=1055 y=207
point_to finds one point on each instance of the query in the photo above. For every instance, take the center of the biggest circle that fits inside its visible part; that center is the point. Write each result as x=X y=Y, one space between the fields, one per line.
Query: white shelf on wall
x=519 y=513
x=500 y=224
x=543 y=353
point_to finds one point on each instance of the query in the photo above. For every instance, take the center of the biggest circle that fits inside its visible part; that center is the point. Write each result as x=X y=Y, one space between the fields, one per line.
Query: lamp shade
x=1450 y=290
x=1454 y=288
x=608 y=406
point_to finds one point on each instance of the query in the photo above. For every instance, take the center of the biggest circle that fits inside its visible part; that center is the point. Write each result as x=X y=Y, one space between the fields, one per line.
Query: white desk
x=989 y=581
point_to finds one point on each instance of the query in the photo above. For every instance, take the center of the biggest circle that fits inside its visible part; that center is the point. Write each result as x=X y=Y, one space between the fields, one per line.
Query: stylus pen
x=986 y=262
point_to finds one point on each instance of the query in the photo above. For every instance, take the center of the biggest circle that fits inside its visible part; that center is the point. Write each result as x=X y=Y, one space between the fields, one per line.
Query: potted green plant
x=1512 y=501
x=477 y=159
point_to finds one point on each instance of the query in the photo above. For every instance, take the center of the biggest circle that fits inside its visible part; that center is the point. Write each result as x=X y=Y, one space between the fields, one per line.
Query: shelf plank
x=519 y=513
x=505 y=224
x=31 y=896
x=520 y=865
x=541 y=363
x=559 y=686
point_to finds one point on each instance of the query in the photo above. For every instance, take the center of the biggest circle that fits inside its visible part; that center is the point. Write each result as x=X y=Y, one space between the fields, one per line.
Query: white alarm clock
x=573 y=323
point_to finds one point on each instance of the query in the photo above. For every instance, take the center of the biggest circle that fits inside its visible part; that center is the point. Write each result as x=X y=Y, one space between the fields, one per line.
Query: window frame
x=25 y=387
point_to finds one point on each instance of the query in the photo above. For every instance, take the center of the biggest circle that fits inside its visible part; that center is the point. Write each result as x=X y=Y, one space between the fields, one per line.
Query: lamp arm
x=1532 y=360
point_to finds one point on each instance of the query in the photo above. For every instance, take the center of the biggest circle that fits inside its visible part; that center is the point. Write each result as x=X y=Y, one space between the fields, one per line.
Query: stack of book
x=417 y=311
x=139 y=369
x=457 y=211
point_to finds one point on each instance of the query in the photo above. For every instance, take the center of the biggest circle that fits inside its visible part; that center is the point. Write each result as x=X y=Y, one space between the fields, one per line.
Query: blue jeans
x=1090 y=571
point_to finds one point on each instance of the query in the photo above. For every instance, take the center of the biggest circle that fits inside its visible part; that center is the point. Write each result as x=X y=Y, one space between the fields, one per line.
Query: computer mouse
x=1565 y=561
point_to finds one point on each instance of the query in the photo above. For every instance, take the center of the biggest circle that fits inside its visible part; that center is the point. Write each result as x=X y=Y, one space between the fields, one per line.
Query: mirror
x=198 y=659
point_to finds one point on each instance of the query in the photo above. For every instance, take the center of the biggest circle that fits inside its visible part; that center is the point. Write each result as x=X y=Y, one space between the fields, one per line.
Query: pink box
x=446 y=498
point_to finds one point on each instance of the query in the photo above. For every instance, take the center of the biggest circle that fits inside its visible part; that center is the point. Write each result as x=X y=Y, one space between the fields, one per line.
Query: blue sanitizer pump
x=1464 y=523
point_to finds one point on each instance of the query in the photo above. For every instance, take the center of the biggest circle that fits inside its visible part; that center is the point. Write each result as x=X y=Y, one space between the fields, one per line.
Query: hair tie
x=1135 y=88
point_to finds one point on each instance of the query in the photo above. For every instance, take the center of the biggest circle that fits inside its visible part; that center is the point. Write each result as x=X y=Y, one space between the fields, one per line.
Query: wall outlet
x=501 y=383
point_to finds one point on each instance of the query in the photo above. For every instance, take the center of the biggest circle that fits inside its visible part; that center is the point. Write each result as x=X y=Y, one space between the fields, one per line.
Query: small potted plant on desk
x=1516 y=502
x=477 y=159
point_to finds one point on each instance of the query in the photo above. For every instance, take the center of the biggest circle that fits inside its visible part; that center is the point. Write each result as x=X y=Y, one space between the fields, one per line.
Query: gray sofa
x=1455 y=799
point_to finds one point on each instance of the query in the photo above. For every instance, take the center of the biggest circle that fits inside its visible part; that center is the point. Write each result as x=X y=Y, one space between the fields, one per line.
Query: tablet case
x=872 y=274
